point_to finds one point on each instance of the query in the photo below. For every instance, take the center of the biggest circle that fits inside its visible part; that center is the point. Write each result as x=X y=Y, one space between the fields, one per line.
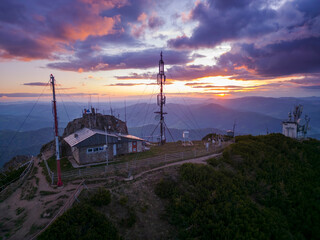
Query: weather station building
x=90 y=144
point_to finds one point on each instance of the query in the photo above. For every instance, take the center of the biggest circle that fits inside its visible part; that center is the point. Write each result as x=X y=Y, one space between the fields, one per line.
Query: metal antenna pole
x=59 y=183
x=161 y=99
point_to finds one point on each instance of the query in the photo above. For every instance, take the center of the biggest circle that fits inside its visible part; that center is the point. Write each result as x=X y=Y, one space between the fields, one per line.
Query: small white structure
x=186 y=139
x=185 y=135
x=290 y=129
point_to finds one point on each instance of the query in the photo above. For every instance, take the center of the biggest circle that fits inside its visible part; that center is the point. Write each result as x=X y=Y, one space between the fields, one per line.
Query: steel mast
x=161 y=100
x=59 y=183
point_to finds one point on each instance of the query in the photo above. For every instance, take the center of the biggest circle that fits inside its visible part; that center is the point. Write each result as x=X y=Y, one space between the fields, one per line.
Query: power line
x=21 y=125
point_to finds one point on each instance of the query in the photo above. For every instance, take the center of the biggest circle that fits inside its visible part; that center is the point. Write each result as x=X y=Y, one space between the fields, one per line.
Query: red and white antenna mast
x=59 y=183
x=161 y=100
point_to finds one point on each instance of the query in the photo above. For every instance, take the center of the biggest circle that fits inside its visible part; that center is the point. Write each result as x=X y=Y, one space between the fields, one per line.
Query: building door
x=130 y=147
x=134 y=146
x=114 y=149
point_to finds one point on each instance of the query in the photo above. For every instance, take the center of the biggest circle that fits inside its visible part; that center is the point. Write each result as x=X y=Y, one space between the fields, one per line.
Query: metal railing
x=131 y=167
x=10 y=187
x=50 y=173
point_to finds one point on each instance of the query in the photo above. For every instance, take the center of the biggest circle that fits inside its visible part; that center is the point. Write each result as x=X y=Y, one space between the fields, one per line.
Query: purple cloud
x=33 y=95
x=124 y=84
x=155 y=22
x=300 y=56
x=36 y=84
x=142 y=59
x=272 y=41
x=221 y=21
x=41 y=30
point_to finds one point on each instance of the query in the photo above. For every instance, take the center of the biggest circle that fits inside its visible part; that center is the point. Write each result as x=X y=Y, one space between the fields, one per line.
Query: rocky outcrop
x=15 y=162
x=96 y=121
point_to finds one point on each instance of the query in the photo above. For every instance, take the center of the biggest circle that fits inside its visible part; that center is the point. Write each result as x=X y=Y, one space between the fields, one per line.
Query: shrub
x=165 y=188
x=101 y=197
x=266 y=188
x=81 y=222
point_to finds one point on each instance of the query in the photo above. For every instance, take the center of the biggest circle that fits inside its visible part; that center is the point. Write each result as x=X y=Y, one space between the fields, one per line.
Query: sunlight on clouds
x=210 y=54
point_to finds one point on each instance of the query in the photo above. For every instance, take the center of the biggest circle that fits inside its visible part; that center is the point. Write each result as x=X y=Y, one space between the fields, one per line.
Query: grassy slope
x=264 y=187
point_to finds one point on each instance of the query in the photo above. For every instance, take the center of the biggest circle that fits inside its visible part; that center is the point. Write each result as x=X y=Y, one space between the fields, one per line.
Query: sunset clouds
x=239 y=40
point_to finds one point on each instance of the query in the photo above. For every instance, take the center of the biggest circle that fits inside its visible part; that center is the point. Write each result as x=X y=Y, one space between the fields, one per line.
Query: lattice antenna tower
x=161 y=100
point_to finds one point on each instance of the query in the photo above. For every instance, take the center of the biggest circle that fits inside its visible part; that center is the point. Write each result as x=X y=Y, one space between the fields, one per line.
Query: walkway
x=200 y=160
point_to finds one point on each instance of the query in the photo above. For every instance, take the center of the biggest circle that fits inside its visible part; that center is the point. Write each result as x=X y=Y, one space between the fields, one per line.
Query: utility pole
x=59 y=183
x=161 y=100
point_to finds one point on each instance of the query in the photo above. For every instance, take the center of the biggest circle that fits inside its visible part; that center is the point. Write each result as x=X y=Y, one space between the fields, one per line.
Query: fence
x=50 y=173
x=131 y=167
x=14 y=184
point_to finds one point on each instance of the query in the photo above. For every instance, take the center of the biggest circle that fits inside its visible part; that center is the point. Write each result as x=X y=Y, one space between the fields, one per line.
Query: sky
x=110 y=49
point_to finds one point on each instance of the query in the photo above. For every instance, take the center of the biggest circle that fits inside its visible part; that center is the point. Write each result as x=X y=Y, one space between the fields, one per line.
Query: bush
x=165 y=188
x=266 y=188
x=81 y=222
x=101 y=197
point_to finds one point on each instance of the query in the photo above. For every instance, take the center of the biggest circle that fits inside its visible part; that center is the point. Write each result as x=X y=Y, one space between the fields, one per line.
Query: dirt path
x=31 y=206
x=200 y=160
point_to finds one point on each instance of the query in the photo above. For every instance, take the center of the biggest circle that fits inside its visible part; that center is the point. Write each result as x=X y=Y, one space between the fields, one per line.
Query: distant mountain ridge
x=24 y=143
x=173 y=134
x=252 y=115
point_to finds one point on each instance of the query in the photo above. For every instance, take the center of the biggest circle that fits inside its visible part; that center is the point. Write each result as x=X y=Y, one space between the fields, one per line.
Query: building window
x=89 y=150
x=96 y=149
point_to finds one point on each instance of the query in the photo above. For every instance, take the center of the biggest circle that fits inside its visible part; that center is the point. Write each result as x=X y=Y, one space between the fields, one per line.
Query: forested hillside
x=264 y=187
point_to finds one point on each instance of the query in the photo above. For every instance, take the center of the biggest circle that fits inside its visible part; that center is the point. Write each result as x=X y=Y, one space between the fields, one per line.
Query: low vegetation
x=81 y=222
x=100 y=198
x=65 y=164
x=19 y=210
x=28 y=191
x=264 y=187
x=10 y=176
x=170 y=147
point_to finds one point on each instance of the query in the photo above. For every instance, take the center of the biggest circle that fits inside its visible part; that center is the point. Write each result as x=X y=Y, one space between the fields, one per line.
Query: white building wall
x=289 y=129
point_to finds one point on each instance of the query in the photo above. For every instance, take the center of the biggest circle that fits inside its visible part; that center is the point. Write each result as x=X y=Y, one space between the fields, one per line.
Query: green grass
x=168 y=148
x=65 y=165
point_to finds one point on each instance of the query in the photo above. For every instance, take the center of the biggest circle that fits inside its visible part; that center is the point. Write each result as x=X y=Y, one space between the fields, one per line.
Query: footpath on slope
x=200 y=160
